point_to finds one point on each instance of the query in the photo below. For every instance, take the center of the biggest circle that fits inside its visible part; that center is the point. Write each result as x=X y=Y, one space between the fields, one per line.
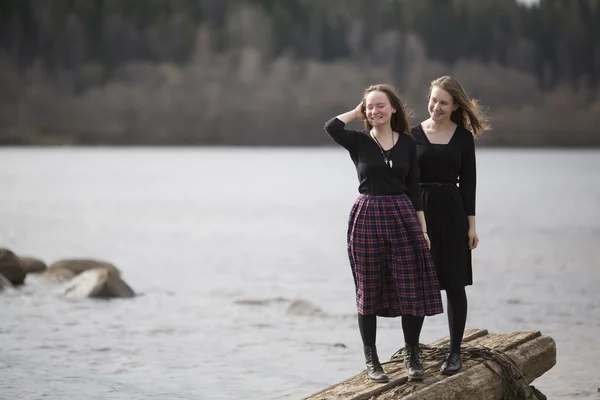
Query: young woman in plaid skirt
x=388 y=244
x=446 y=155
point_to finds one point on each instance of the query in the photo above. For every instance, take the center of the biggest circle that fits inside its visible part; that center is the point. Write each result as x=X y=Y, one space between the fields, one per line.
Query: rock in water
x=78 y=265
x=261 y=302
x=115 y=287
x=304 y=308
x=4 y=283
x=59 y=274
x=97 y=283
x=32 y=265
x=86 y=284
x=10 y=267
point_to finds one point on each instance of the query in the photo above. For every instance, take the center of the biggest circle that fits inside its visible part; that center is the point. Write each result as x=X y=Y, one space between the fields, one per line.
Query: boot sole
x=386 y=380
x=450 y=373
x=416 y=378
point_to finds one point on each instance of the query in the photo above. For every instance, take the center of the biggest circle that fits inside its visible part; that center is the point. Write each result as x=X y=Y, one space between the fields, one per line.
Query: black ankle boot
x=412 y=362
x=452 y=364
x=374 y=369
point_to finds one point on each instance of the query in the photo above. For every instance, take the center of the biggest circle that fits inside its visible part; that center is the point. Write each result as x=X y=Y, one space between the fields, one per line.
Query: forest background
x=271 y=72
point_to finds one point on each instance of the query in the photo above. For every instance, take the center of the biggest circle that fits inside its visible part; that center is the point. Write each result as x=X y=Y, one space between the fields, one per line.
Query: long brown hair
x=399 y=120
x=469 y=114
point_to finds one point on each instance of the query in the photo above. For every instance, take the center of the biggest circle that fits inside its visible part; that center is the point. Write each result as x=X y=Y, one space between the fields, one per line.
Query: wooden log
x=533 y=354
x=500 y=342
x=359 y=387
x=469 y=336
x=533 y=359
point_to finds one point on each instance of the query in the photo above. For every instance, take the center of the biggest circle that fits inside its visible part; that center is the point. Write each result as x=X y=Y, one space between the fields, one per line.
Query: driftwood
x=531 y=353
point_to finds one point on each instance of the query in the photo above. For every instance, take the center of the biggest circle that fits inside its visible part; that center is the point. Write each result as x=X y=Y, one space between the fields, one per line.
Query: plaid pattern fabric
x=392 y=267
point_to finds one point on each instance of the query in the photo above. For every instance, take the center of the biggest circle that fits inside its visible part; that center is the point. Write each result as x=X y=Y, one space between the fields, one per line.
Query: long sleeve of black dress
x=468 y=175
x=412 y=179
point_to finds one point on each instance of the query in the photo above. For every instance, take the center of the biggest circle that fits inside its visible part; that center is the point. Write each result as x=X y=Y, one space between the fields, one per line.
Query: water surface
x=202 y=233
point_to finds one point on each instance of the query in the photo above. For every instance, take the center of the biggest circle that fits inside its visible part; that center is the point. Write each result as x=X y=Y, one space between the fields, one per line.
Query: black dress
x=448 y=181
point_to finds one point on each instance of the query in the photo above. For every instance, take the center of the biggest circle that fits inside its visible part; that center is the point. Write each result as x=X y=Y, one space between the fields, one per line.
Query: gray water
x=201 y=233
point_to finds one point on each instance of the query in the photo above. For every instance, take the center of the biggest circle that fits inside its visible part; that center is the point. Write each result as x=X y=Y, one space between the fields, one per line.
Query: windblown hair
x=399 y=120
x=469 y=114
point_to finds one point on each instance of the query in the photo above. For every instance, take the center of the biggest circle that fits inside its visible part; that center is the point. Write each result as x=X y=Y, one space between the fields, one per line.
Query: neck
x=440 y=125
x=382 y=131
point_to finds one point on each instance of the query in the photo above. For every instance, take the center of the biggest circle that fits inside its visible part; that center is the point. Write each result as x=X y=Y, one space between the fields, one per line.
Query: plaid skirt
x=392 y=267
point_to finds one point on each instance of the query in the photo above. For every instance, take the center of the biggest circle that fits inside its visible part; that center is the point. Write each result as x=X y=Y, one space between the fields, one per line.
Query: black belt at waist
x=437 y=184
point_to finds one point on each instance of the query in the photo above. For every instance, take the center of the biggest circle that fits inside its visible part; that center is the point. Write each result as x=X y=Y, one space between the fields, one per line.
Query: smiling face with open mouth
x=441 y=104
x=378 y=108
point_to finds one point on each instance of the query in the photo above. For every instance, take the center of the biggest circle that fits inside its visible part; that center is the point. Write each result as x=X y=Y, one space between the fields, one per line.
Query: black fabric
x=411 y=325
x=374 y=176
x=367 y=324
x=447 y=206
x=449 y=163
x=457 y=317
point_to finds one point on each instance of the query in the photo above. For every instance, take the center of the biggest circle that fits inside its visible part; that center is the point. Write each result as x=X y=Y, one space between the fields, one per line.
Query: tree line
x=556 y=40
x=270 y=72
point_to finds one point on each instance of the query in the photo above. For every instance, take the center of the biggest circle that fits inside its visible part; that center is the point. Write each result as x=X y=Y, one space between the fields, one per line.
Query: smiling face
x=378 y=109
x=441 y=104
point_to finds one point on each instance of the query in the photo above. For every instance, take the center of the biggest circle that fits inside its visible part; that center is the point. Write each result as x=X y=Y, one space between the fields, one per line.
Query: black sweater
x=374 y=176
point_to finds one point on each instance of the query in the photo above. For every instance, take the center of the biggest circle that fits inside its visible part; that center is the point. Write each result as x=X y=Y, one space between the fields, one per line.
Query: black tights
x=411 y=326
x=457 y=317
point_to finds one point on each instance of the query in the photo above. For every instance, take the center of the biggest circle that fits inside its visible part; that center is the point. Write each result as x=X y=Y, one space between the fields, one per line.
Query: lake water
x=201 y=233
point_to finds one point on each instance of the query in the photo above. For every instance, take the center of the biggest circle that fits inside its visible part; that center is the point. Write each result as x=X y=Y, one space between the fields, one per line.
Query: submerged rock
x=32 y=265
x=10 y=267
x=58 y=275
x=97 y=283
x=4 y=283
x=86 y=284
x=79 y=265
x=305 y=309
x=115 y=287
x=261 y=302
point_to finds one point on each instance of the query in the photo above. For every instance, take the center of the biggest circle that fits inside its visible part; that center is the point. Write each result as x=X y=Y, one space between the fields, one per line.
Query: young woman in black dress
x=388 y=246
x=446 y=159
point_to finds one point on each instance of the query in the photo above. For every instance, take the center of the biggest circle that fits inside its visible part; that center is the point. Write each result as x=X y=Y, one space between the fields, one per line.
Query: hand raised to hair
x=358 y=112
